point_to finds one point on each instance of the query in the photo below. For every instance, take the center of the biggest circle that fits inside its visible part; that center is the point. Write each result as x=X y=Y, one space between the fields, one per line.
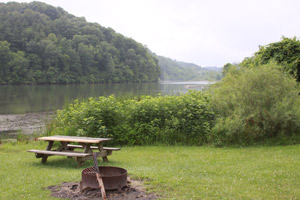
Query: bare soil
x=29 y=123
x=70 y=190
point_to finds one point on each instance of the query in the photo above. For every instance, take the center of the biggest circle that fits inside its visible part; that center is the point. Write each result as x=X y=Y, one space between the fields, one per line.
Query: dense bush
x=250 y=105
x=184 y=119
x=255 y=104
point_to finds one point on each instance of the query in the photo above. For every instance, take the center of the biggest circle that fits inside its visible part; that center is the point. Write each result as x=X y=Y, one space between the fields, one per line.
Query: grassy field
x=174 y=172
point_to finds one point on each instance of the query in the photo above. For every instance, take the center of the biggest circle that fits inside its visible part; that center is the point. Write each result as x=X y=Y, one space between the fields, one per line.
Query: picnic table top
x=62 y=138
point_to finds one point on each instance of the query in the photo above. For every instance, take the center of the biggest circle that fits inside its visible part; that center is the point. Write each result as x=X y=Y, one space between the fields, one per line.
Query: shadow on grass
x=69 y=163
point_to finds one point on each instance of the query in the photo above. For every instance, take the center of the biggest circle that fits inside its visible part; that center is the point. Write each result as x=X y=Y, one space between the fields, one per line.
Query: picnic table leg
x=80 y=161
x=105 y=159
x=63 y=146
x=44 y=159
x=87 y=149
x=100 y=147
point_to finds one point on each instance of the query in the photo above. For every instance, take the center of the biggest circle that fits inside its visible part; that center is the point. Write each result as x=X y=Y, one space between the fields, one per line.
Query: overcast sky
x=204 y=32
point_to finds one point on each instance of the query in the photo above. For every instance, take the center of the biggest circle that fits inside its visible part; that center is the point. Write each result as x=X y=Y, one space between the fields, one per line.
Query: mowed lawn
x=173 y=172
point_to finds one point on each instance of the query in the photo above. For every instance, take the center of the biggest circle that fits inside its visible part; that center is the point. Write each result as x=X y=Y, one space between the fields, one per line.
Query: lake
x=18 y=99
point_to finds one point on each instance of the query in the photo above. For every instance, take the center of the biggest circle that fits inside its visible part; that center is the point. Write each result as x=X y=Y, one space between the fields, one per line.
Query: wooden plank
x=74 y=139
x=99 y=177
x=71 y=153
x=80 y=146
x=111 y=149
x=94 y=147
x=90 y=156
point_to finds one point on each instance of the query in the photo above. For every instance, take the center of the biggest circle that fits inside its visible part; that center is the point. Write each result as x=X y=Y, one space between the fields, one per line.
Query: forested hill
x=43 y=44
x=172 y=70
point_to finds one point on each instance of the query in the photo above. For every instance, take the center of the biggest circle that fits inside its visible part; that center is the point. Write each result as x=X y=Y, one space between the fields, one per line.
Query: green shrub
x=183 y=119
x=92 y=118
x=255 y=104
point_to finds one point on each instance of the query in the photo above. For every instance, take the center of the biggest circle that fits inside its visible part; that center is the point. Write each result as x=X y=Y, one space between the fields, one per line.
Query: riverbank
x=29 y=124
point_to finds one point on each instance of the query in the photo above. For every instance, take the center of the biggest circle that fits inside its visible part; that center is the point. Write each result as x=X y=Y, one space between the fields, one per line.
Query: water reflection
x=38 y=98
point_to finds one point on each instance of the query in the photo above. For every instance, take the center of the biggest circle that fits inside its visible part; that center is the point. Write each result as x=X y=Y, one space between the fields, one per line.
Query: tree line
x=42 y=44
x=286 y=53
x=172 y=70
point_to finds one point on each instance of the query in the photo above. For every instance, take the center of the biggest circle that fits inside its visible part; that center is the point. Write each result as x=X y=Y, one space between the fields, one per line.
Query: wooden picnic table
x=67 y=149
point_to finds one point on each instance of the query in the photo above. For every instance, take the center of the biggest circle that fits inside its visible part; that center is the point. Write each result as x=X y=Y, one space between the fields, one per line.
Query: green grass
x=175 y=172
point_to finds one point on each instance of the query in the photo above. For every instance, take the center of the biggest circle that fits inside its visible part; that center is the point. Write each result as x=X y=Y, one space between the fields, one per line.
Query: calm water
x=38 y=98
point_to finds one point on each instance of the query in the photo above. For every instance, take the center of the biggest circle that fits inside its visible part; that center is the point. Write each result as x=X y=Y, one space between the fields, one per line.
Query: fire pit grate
x=113 y=178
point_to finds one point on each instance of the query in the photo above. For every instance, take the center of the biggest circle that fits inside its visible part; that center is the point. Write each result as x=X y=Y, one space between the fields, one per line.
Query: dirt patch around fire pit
x=70 y=190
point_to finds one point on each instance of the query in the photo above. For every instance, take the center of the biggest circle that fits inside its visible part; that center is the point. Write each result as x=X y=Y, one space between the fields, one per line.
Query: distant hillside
x=172 y=70
x=42 y=44
x=217 y=69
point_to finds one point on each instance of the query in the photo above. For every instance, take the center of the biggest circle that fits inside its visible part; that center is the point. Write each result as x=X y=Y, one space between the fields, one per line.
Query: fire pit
x=113 y=178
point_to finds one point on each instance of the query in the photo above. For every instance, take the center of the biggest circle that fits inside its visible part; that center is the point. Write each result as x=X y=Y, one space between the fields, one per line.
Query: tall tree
x=285 y=52
x=5 y=58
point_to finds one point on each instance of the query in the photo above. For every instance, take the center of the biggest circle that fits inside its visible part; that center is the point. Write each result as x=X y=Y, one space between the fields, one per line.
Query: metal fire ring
x=113 y=178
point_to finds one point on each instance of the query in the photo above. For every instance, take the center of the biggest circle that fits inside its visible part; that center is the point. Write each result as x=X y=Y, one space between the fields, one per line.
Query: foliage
x=184 y=119
x=255 y=104
x=43 y=44
x=172 y=172
x=285 y=52
x=172 y=70
x=226 y=68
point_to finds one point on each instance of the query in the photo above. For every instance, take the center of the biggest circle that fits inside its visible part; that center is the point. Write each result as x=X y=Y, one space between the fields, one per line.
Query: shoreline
x=11 y=125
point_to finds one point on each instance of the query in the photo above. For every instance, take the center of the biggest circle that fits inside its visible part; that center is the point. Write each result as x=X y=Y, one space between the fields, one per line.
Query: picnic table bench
x=67 y=149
